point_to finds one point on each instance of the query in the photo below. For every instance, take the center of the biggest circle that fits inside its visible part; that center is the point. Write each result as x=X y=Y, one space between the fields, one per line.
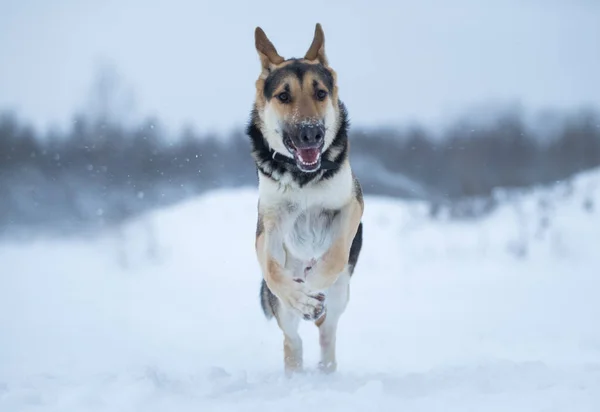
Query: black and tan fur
x=309 y=229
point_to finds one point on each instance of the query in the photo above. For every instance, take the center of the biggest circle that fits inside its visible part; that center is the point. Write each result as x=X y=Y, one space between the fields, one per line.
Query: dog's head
x=297 y=101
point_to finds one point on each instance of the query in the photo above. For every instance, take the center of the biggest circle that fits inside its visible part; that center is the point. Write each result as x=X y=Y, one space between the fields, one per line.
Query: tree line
x=101 y=172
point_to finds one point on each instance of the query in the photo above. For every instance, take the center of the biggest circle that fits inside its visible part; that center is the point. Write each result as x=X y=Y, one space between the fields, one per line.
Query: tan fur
x=329 y=266
x=267 y=52
x=274 y=274
x=299 y=298
x=320 y=321
x=335 y=259
x=301 y=93
x=266 y=262
x=272 y=60
x=291 y=358
x=303 y=105
x=316 y=51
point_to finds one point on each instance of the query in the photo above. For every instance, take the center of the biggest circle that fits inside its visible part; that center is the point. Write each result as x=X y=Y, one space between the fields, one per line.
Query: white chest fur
x=308 y=217
x=310 y=233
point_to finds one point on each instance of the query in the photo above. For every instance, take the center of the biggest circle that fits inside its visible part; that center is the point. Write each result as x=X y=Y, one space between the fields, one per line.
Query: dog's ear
x=266 y=51
x=316 y=51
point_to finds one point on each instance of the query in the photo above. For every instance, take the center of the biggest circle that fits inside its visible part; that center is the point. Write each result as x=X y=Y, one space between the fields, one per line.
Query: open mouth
x=308 y=159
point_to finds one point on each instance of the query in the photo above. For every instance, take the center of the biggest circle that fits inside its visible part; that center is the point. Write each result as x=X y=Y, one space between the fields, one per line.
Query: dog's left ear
x=316 y=50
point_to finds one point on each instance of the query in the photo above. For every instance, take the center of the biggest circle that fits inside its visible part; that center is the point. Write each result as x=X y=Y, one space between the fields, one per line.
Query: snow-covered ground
x=498 y=314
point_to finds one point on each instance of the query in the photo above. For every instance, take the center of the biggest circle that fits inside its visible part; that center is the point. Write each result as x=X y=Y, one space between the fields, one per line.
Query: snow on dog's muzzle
x=306 y=144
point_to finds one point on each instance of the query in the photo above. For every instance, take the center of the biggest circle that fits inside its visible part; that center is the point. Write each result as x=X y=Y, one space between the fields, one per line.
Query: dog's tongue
x=309 y=156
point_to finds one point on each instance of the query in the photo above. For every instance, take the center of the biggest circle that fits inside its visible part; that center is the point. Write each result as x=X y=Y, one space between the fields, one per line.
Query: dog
x=310 y=203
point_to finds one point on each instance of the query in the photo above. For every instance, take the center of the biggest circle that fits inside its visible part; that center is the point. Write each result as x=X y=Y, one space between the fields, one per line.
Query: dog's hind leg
x=288 y=322
x=336 y=302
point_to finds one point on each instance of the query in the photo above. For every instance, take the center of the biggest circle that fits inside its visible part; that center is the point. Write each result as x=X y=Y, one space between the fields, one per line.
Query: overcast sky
x=195 y=62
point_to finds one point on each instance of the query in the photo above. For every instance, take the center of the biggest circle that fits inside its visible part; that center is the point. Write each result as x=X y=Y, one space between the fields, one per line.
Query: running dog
x=310 y=206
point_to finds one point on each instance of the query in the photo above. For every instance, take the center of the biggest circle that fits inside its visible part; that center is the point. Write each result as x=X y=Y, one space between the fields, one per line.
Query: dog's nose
x=311 y=134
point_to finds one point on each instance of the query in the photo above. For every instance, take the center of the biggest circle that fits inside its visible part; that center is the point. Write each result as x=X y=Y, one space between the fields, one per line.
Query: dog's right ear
x=266 y=51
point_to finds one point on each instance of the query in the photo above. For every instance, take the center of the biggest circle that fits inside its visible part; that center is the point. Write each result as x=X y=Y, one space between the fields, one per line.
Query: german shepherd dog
x=310 y=206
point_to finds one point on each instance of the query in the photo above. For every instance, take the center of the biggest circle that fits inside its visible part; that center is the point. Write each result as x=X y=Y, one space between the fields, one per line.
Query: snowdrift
x=162 y=314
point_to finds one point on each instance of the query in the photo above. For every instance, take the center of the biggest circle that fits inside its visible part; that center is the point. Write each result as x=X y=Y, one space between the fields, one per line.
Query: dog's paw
x=327 y=367
x=311 y=306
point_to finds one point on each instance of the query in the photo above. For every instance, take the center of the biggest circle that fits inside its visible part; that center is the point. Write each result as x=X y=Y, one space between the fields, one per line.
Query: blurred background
x=128 y=275
x=109 y=109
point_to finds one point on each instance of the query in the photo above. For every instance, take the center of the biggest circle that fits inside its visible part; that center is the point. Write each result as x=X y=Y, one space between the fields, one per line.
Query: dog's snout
x=311 y=134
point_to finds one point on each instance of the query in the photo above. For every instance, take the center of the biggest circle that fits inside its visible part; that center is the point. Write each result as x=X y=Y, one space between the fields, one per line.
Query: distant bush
x=469 y=160
x=100 y=172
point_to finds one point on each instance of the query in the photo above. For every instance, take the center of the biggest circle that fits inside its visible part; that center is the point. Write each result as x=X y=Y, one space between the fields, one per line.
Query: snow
x=162 y=314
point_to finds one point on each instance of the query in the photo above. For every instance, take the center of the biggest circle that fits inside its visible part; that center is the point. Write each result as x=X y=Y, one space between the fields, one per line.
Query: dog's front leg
x=292 y=292
x=296 y=300
x=331 y=274
x=334 y=260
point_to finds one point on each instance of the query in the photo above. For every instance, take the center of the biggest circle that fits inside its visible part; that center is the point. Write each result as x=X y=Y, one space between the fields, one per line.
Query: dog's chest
x=310 y=232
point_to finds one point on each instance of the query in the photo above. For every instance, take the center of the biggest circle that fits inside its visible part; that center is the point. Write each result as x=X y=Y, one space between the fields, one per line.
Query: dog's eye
x=284 y=97
x=321 y=95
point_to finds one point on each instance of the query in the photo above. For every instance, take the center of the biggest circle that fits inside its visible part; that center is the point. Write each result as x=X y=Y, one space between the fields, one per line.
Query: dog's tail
x=268 y=301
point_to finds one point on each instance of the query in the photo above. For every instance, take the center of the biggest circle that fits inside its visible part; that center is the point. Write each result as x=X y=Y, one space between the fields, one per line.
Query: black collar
x=325 y=164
